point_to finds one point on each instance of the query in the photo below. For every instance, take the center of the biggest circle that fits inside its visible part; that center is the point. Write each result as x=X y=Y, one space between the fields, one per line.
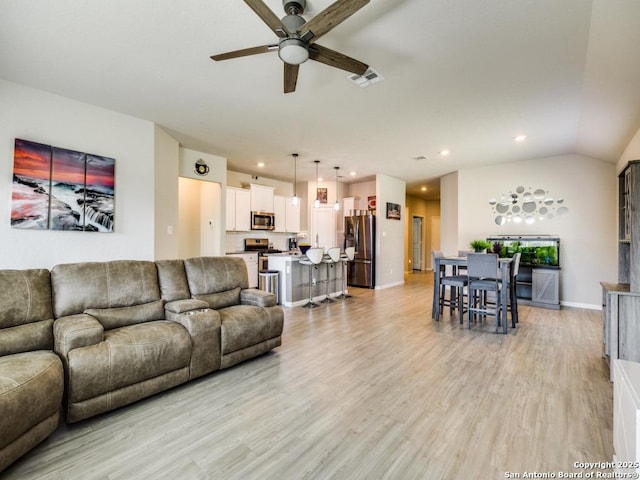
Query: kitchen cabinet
x=261 y=198
x=292 y=217
x=251 y=260
x=238 y=210
x=287 y=216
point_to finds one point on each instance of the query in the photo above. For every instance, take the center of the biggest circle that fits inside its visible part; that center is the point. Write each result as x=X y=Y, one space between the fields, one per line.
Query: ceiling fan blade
x=244 y=52
x=268 y=17
x=336 y=59
x=290 y=77
x=333 y=15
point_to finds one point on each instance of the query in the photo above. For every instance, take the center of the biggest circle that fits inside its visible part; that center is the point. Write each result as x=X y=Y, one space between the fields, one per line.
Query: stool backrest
x=315 y=255
x=515 y=265
x=350 y=252
x=482 y=265
x=334 y=254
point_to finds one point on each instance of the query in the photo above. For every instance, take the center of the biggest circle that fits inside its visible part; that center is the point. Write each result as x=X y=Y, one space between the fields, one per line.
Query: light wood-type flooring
x=366 y=388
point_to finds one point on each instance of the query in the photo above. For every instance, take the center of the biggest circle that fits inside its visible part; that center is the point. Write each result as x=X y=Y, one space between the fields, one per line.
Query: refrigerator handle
x=357 y=235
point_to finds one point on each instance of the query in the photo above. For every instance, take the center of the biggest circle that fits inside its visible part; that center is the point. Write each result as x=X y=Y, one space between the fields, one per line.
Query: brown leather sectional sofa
x=90 y=337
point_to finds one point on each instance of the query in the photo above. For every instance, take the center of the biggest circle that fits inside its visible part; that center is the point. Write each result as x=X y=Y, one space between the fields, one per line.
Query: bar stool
x=456 y=284
x=332 y=257
x=312 y=259
x=348 y=256
x=482 y=269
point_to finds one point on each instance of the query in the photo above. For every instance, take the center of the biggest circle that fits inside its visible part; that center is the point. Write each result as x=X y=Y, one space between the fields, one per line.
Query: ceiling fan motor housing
x=297 y=5
x=293 y=50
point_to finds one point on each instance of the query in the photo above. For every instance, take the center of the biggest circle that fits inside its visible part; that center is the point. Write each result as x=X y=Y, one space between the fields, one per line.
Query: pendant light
x=295 y=200
x=316 y=203
x=336 y=206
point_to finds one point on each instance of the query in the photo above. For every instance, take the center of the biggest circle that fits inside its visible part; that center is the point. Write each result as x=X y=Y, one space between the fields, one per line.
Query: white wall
x=166 y=195
x=588 y=248
x=632 y=152
x=389 y=233
x=50 y=119
x=449 y=200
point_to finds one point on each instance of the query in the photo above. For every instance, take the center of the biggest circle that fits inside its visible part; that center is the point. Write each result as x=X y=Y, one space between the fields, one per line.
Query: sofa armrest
x=76 y=331
x=204 y=328
x=176 y=308
x=258 y=298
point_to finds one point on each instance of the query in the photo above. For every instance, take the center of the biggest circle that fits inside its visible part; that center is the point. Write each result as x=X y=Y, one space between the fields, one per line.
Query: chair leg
x=344 y=295
x=327 y=298
x=310 y=303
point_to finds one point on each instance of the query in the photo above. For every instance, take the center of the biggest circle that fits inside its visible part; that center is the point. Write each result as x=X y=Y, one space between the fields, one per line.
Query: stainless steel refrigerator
x=359 y=232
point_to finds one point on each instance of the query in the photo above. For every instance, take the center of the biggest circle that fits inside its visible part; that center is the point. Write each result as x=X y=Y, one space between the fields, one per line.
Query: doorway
x=200 y=218
x=417 y=243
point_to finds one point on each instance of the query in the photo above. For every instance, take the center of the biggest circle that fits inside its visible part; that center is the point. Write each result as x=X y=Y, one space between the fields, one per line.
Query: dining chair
x=513 y=297
x=483 y=277
x=456 y=284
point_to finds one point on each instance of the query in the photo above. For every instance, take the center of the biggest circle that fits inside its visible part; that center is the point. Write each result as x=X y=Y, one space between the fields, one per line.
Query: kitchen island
x=294 y=279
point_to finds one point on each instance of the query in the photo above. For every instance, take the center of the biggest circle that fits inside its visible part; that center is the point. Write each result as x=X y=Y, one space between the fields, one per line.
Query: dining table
x=456 y=262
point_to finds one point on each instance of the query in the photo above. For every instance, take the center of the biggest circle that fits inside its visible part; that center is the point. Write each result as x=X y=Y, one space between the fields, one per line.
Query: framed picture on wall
x=322 y=195
x=393 y=211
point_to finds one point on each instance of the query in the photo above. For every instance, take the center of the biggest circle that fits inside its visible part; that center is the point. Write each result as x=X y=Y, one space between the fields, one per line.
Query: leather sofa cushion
x=121 y=283
x=215 y=274
x=173 y=280
x=27 y=338
x=128 y=355
x=246 y=325
x=121 y=317
x=25 y=311
x=221 y=299
x=31 y=386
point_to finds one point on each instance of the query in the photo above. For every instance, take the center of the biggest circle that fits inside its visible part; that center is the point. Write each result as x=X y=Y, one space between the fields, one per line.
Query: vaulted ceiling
x=465 y=75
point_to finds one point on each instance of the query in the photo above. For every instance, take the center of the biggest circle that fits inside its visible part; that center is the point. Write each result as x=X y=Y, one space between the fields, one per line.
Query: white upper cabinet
x=287 y=216
x=238 y=210
x=292 y=217
x=280 y=213
x=261 y=198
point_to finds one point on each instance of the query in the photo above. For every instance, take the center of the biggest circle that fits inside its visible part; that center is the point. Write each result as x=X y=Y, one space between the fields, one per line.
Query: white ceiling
x=466 y=75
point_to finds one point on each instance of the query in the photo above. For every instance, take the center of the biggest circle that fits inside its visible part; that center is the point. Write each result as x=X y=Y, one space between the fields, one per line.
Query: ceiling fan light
x=293 y=51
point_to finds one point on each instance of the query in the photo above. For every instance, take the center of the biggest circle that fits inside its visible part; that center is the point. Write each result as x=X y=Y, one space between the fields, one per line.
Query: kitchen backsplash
x=235 y=240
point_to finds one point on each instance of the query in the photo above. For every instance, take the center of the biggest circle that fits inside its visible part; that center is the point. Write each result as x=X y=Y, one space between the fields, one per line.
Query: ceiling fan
x=298 y=37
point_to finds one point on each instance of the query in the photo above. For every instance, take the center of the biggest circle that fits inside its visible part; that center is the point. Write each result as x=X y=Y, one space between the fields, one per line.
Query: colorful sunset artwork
x=59 y=189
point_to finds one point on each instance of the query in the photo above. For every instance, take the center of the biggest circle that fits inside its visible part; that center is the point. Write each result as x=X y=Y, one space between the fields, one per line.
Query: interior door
x=417 y=243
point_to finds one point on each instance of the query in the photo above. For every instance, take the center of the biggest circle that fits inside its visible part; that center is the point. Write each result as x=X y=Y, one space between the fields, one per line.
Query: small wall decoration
x=527 y=205
x=59 y=189
x=322 y=195
x=201 y=167
x=371 y=203
x=393 y=211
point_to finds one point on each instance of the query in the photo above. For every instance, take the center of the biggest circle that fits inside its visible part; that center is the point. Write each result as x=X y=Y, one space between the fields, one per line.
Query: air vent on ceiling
x=369 y=78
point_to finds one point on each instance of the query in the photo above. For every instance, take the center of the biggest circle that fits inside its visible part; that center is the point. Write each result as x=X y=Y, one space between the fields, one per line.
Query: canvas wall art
x=60 y=189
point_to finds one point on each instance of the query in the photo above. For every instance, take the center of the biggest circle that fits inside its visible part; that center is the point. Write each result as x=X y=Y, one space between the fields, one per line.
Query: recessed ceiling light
x=424 y=189
x=260 y=164
x=520 y=138
x=445 y=152
x=353 y=174
x=319 y=179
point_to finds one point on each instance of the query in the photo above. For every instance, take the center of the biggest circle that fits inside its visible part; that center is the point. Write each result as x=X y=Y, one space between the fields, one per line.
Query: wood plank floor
x=366 y=388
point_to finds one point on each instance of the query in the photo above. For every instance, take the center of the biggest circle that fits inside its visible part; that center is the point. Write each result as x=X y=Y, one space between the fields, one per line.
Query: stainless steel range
x=260 y=245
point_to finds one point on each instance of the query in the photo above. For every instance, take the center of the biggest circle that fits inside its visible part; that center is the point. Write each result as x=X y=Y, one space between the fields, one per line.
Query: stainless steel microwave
x=262 y=221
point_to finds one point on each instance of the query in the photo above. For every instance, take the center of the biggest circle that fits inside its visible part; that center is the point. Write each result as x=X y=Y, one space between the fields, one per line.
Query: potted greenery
x=480 y=245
